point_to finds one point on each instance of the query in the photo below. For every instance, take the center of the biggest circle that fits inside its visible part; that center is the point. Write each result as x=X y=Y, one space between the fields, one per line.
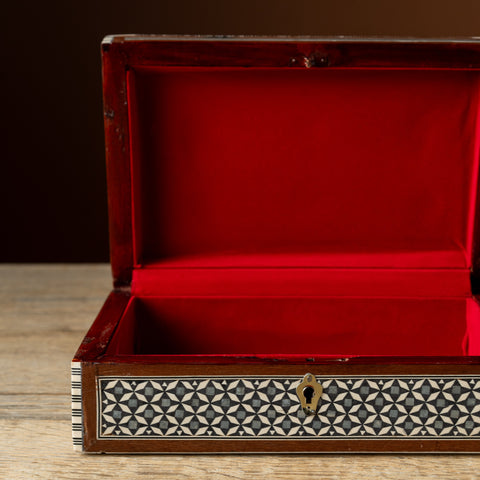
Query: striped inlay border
x=77 y=414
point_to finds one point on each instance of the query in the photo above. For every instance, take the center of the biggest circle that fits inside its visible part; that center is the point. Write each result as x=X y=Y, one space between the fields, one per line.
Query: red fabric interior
x=302 y=212
x=266 y=161
x=292 y=326
x=377 y=282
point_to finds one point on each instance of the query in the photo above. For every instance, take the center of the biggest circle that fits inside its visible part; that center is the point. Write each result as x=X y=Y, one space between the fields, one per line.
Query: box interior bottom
x=298 y=326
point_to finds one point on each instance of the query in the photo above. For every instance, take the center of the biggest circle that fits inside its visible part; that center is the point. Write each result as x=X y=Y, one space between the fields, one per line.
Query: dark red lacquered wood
x=117 y=149
x=294 y=52
x=279 y=360
x=98 y=337
x=284 y=446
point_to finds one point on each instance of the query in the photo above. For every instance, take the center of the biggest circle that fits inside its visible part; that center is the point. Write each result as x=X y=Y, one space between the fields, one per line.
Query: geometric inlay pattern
x=268 y=407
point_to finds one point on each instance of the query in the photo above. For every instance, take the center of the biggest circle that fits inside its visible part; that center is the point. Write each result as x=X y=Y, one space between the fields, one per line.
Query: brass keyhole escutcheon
x=309 y=392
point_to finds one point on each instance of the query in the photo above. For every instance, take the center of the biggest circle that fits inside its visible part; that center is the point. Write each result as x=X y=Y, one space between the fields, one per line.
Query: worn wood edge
x=119 y=38
x=293 y=53
x=282 y=447
x=117 y=152
x=100 y=333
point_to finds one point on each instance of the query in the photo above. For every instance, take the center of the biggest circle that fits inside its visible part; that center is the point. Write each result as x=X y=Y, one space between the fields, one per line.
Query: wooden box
x=287 y=212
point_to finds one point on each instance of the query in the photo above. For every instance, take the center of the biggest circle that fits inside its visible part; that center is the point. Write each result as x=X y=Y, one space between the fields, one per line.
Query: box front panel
x=230 y=413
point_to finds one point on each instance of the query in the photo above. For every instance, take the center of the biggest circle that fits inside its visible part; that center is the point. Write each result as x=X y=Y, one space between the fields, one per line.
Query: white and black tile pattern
x=268 y=408
x=77 y=422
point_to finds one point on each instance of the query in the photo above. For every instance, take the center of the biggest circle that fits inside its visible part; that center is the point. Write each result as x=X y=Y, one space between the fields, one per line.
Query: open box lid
x=316 y=159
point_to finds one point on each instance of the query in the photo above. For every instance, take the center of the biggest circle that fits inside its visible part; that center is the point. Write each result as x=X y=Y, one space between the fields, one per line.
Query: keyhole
x=309 y=392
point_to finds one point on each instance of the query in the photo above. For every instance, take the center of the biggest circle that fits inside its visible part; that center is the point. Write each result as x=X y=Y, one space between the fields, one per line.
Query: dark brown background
x=53 y=191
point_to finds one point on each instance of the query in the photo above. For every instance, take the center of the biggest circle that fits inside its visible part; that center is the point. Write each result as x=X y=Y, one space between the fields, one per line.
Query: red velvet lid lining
x=265 y=167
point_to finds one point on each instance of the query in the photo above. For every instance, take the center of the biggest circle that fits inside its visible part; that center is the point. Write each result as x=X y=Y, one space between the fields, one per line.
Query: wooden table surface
x=45 y=311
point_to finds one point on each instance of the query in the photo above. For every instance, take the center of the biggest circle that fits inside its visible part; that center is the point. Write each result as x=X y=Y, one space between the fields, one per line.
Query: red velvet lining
x=472 y=338
x=325 y=282
x=266 y=161
x=298 y=326
x=302 y=212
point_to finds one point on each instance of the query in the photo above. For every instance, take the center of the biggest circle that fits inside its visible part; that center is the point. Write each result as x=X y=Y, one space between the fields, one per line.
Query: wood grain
x=46 y=311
